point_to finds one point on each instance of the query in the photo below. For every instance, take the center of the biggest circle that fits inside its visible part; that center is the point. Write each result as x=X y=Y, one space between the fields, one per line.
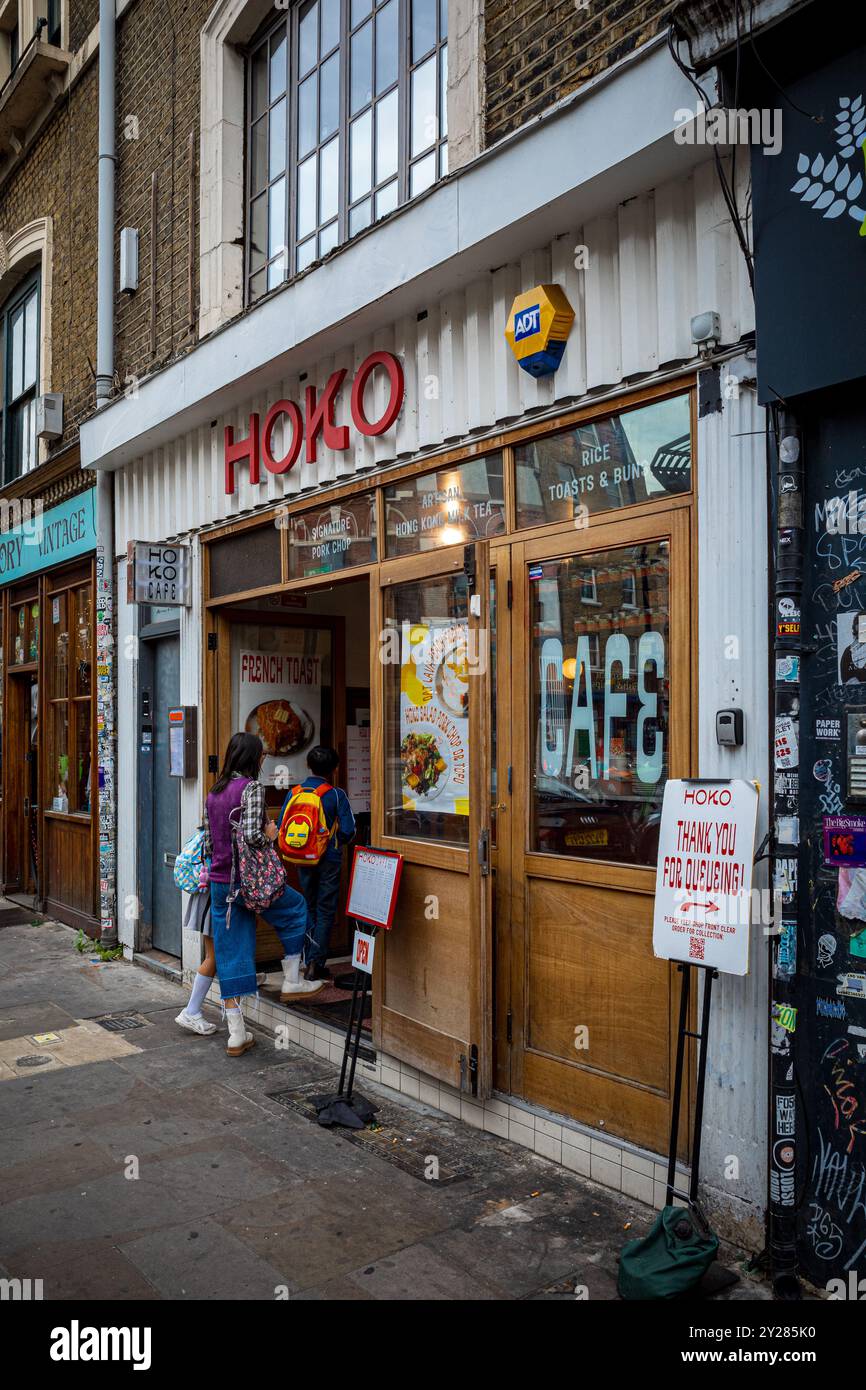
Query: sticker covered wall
x=831 y=1030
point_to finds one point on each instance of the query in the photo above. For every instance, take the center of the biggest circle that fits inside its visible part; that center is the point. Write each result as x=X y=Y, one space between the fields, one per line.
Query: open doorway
x=295 y=669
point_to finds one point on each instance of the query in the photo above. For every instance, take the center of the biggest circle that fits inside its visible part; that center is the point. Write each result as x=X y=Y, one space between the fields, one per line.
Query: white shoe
x=293 y=986
x=195 y=1023
x=239 y=1039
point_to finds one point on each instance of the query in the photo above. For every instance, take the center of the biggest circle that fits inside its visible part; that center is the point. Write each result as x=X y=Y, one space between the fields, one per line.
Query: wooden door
x=430 y=686
x=601 y=697
x=20 y=784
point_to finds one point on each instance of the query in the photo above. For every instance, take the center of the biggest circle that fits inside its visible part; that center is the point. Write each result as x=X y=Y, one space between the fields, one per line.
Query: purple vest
x=219 y=808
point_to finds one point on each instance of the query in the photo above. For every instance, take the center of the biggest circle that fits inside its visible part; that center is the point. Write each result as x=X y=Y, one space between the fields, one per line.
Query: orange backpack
x=304 y=835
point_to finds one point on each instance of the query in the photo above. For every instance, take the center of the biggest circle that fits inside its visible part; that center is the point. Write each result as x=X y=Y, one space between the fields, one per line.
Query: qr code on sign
x=696 y=948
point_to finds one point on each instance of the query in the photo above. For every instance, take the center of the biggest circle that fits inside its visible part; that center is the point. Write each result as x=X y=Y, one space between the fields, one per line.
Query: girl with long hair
x=238 y=788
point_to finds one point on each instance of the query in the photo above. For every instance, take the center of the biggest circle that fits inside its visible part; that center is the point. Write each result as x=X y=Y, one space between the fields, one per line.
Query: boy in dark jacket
x=320 y=883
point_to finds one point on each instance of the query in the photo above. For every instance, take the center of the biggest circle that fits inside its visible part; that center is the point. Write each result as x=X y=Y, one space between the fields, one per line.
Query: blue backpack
x=190 y=869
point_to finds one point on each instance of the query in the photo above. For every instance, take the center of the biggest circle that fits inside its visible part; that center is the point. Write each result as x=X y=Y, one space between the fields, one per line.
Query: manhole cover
x=34 y=1059
x=120 y=1023
x=392 y=1139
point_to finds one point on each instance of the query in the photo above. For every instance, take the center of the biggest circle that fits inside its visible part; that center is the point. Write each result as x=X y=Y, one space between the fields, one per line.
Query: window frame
x=30 y=285
x=77 y=706
x=54 y=35
x=288 y=21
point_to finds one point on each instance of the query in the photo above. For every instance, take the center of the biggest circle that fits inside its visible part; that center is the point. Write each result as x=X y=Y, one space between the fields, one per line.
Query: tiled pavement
x=148 y=1165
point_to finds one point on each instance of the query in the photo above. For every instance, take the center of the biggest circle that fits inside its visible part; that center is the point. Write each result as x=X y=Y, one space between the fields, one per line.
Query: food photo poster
x=434 y=718
x=280 y=699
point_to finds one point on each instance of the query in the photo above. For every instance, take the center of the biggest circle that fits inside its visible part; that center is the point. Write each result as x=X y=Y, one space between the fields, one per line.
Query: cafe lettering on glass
x=317 y=421
x=600 y=702
x=335 y=537
x=637 y=456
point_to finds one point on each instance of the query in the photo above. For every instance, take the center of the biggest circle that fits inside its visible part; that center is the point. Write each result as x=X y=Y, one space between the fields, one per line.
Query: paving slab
x=204 y=1261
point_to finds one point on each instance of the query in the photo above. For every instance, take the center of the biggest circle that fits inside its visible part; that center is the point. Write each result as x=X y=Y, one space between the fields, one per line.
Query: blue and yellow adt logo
x=538 y=326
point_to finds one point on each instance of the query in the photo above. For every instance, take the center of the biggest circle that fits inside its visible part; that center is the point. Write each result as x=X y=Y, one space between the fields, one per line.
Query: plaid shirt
x=253 y=813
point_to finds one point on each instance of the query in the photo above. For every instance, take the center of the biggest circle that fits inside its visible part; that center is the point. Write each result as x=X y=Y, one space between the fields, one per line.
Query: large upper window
x=19 y=345
x=346 y=119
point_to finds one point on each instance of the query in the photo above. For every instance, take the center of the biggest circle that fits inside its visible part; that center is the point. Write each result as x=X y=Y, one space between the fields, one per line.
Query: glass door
x=430 y=633
x=601 y=695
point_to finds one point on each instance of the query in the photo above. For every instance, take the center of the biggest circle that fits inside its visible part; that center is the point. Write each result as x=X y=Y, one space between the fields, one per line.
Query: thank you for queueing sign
x=704 y=873
x=158 y=574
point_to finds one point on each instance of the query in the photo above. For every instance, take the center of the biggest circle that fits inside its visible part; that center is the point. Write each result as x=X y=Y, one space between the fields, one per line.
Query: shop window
x=600 y=699
x=334 y=537
x=641 y=455
x=25 y=632
x=246 y=560
x=19 y=328
x=69 y=677
x=346 y=119
x=427 y=692
x=450 y=507
x=2 y=691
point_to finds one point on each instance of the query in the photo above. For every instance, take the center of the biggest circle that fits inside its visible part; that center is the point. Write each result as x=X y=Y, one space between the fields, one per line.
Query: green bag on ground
x=671 y=1259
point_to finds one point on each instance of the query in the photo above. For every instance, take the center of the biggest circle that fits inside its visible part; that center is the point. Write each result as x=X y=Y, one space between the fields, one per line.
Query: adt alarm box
x=183 y=741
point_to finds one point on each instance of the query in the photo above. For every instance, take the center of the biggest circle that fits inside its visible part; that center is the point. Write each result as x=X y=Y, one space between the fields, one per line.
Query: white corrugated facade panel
x=653 y=263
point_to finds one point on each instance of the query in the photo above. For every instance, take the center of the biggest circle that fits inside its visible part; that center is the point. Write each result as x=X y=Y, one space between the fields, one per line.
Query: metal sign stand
x=344 y=1108
x=717 y=1276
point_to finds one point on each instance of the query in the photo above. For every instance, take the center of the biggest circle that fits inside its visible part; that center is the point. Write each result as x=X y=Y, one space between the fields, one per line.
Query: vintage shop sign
x=158 y=574
x=318 y=420
x=49 y=538
x=704 y=873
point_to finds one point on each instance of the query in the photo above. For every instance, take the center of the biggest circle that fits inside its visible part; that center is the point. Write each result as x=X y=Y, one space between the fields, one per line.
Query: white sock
x=200 y=986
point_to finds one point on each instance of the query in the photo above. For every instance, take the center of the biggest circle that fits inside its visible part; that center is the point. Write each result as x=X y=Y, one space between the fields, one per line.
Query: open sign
x=362 y=952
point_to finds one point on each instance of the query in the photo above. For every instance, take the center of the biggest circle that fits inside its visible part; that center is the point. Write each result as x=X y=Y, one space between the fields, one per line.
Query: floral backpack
x=190 y=868
x=257 y=873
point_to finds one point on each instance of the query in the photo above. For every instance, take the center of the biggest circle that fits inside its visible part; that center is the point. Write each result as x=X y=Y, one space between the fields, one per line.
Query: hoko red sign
x=316 y=421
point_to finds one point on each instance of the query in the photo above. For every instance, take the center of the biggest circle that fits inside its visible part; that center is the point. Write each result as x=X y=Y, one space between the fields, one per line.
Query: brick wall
x=158 y=100
x=58 y=179
x=538 y=51
x=157 y=109
x=83 y=15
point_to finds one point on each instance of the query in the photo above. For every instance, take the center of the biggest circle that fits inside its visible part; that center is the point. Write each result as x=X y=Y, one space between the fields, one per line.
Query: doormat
x=121 y=1023
x=408 y=1141
x=17 y=917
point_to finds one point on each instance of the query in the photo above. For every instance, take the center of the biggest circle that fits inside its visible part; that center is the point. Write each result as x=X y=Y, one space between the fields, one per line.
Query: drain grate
x=33 y=1059
x=121 y=1023
x=409 y=1148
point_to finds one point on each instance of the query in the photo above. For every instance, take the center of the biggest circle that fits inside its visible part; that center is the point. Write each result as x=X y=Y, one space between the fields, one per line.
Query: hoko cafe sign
x=304 y=428
x=33 y=539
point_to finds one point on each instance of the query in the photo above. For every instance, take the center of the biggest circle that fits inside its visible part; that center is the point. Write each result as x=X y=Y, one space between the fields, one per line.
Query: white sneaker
x=239 y=1039
x=293 y=986
x=195 y=1023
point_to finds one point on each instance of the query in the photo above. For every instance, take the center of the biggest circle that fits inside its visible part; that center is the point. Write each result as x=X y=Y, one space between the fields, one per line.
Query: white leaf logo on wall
x=832 y=187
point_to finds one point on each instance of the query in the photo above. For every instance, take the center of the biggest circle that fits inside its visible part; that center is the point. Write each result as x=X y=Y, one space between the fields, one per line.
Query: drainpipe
x=784 y=1119
x=105 y=668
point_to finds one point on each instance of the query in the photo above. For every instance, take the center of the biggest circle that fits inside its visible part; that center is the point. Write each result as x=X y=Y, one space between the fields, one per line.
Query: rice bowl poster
x=279 y=698
x=434 y=717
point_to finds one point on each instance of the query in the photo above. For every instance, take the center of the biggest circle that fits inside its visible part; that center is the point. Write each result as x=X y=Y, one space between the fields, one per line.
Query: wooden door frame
x=611 y=531
x=384 y=577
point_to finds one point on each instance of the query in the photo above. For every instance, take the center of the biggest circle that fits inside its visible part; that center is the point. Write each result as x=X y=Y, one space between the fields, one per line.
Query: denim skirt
x=235 y=943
